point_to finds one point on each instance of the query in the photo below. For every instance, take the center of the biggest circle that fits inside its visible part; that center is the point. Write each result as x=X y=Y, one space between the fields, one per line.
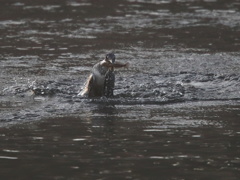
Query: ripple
x=45 y=8
x=8 y=157
x=11 y=22
x=79 y=139
x=77 y=4
x=10 y=150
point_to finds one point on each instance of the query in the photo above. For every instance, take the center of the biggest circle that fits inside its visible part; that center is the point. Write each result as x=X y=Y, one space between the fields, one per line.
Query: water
x=175 y=114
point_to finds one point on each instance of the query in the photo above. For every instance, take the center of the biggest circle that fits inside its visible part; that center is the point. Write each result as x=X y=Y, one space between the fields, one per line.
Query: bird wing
x=87 y=86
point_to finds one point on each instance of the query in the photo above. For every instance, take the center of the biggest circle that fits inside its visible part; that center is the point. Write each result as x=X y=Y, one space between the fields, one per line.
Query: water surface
x=175 y=114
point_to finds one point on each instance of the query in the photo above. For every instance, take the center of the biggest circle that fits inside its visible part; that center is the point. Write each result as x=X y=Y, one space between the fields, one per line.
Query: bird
x=101 y=81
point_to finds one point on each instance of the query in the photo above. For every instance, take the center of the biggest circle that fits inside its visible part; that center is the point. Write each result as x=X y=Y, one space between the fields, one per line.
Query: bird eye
x=110 y=56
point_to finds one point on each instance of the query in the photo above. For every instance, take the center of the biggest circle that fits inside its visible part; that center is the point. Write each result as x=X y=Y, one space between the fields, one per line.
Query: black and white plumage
x=109 y=83
x=101 y=81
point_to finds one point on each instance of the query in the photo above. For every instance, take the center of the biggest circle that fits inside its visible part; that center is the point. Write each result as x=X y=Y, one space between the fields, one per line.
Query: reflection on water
x=171 y=142
x=175 y=114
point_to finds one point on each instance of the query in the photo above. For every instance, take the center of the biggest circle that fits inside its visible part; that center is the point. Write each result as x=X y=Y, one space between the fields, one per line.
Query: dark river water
x=176 y=110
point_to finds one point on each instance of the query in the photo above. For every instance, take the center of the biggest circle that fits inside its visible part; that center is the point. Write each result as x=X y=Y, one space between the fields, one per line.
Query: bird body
x=102 y=78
